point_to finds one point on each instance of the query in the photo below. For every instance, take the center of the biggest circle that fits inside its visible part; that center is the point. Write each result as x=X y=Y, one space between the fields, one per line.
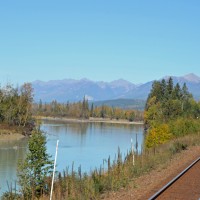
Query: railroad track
x=185 y=186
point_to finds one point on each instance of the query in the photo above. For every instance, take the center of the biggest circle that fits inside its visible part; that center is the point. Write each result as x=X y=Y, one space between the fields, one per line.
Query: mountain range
x=74 y=90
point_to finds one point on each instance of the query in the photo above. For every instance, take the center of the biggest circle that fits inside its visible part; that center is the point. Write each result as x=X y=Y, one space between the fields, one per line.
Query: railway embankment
x=149 y=183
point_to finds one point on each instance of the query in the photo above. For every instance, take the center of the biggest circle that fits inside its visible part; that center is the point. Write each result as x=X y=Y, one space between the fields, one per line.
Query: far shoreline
x=11 y=137
x=90 y=120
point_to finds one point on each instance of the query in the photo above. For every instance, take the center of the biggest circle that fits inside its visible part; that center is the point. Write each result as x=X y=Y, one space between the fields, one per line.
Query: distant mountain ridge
x=74 y=90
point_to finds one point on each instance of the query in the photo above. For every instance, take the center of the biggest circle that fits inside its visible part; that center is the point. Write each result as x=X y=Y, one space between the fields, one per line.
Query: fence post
x=132 y=150
x=54 y=169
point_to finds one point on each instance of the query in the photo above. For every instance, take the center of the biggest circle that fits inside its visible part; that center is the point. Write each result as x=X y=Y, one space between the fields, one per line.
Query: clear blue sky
x=98 y=39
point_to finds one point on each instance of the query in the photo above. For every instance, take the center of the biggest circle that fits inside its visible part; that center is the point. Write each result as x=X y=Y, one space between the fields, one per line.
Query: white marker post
x=132 y=151
x=54 y=169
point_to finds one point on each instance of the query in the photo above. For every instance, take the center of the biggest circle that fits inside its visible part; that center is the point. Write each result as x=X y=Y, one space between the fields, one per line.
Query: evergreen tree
x=40 y=106
x=176 y=93
x=185 y=92
x=163 y=87
x=185 y=96
x=157 y=91
x=84 y=109
x=169 y=88
x=33 y=171
x=92 y=110
x=103 y=111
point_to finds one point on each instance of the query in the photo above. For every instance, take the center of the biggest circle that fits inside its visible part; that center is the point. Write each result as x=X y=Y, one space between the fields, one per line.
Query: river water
x=85 y=144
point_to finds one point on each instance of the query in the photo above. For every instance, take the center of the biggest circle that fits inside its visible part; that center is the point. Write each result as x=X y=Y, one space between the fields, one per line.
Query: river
x=85 y=144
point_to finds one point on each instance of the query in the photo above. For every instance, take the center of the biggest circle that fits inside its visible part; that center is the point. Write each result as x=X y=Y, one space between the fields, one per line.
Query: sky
x=102 y=40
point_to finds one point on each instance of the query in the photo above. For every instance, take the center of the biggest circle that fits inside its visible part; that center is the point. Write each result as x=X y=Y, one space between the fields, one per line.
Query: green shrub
x=178 y=147
x=184 y=126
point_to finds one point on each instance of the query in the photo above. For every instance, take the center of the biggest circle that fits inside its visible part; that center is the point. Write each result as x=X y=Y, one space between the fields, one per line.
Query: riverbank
x=10 y=133
x=90 y=120
x=148 y=184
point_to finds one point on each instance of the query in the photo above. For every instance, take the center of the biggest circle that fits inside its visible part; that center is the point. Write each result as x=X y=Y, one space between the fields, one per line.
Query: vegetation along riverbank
x=83 y=111
x=16 y=110
x=91 y=119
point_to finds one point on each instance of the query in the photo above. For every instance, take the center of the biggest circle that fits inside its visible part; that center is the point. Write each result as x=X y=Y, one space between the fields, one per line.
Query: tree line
x=170 y=111
x=17 y=108
x=83 y=110
x=16 y=105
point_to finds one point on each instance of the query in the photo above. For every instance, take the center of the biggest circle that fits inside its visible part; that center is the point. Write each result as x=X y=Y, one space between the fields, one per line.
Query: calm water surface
x=85 y=144
x=10 y=153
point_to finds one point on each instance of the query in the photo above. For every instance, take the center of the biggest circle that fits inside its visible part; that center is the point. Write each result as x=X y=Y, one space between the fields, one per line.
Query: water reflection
x=87 y=144
x=82 y=128
x=10 y=153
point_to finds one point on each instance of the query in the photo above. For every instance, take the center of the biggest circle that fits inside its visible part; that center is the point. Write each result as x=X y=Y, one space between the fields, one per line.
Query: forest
x=84 y=110
x=170 y=112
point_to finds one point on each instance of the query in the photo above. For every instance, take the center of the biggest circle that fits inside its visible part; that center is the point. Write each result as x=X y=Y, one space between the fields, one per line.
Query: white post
x=54 y=169
x=132 y=151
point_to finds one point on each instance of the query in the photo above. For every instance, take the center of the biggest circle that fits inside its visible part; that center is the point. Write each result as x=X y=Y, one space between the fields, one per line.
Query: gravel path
x=148 y=184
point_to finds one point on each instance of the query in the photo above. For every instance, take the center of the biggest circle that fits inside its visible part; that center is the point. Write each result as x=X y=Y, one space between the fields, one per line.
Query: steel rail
x=157 y=194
